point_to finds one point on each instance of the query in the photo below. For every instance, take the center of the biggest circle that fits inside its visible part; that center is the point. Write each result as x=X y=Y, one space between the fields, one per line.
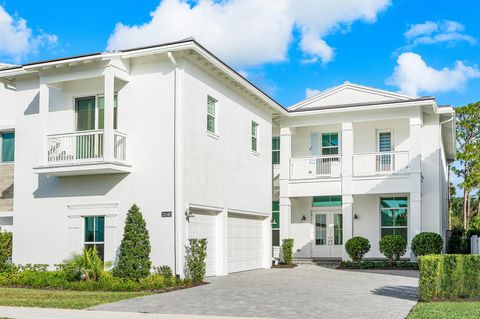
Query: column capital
x=285 y=130
x=347 y=126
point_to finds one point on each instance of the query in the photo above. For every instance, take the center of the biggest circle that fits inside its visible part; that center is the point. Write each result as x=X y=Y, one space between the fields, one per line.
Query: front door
x=328 y=234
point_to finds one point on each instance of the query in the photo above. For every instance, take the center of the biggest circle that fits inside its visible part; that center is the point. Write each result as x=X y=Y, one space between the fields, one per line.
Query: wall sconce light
x=355 y=216
x=304 y=218
x=188 y=214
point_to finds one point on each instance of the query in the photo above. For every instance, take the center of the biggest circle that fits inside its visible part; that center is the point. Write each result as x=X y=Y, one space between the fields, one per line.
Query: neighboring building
x=169 y=127
x=357 y=161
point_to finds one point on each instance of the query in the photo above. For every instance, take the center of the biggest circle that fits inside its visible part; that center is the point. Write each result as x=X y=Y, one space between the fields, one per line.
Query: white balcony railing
x=82 y=147
x=315 y=167
x=368 y=164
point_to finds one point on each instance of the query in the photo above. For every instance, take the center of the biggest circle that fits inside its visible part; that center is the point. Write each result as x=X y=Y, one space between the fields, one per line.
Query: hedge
x=444 y=277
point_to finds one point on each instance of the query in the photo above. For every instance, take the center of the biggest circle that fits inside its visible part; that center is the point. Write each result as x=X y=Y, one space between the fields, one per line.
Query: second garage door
x=245 y=242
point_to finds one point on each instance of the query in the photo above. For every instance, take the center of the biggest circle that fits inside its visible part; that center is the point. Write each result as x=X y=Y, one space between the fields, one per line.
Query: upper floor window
x=254 y=136
x=7 y=141
x=324 y=144
x=276 y=150
x=90 y=113
x=385 y=141
x=211 y=115
x=95 y=234
x=393 y=216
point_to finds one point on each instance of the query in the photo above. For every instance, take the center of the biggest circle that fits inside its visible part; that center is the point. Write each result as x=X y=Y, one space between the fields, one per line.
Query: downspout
x=175 y=208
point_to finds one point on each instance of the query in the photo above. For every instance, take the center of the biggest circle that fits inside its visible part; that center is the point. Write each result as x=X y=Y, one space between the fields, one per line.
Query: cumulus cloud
x=249 y=32
x=311 y=92
x=435 y=32
x=18 y=40
x=413 y=76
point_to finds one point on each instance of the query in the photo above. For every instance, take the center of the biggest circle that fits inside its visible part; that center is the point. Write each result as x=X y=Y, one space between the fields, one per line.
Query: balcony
x=83 y=153
x=384 y=163
x=314 y=167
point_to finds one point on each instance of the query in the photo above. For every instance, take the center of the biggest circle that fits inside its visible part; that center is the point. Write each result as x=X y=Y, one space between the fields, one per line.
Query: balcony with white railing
x=381 y=163
x=315 y=167
x=84 y=153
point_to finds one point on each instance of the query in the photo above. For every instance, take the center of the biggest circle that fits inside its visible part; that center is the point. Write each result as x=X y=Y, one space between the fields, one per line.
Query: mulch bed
x=192 y=285
x=284 y=266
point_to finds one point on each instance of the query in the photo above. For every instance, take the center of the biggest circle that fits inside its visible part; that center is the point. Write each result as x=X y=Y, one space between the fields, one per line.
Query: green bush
x=165 y=271
x=196 y=254
x=5 y=249
x=378 y=264
x=456 y=242
x=444 y=277
x=134 y=258
x=287 y=251
x=87 y=266
x=357 y=247
x=427 y=244
x=393 y=247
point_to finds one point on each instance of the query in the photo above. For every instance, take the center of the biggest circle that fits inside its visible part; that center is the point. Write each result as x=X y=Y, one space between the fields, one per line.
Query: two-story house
x=357 y=161
x=169 y=127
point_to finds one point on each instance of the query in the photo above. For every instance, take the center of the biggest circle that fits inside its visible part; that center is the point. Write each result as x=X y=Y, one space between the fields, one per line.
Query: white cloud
x=18 y=40
x=413 y=76
x=435 y=32
x=249 y=32
x=311 y=92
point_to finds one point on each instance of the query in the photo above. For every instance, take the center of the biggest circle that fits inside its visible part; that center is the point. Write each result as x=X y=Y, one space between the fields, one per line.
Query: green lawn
x=23 y=297
x=446 y=310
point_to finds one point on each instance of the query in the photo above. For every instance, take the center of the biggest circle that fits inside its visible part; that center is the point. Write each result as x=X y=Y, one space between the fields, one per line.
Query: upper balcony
x=82 y=153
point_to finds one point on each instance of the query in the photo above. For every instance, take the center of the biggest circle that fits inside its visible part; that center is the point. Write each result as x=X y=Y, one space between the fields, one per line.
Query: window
x=327 y=201
x=7 y=141
x=211 y=115
x=329 y=143
x=95 y=234
x=276 y=223
x=276 y=150
x=384 y=141
x=91 y=113
x=254 y=136
x=393 y=216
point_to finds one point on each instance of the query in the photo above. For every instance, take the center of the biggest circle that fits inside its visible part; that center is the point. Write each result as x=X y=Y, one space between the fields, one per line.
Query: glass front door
x=328 y=234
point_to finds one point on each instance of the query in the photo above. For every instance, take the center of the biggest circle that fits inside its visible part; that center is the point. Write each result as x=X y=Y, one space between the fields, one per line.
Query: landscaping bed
x=284 y=266
x=378 y=264
x=446 y=310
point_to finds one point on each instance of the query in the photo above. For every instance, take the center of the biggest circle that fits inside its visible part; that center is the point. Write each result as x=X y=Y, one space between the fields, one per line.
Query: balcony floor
x=95 y=168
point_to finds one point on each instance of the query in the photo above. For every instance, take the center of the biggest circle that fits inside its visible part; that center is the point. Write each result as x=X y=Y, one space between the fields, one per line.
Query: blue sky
x=282 y=49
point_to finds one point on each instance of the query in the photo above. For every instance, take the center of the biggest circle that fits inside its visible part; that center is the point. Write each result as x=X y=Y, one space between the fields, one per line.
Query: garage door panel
x=204 y=225
x=245 y=247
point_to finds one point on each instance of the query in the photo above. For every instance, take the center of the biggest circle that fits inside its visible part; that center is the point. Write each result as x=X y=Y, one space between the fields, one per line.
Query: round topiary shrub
x=357 y=247
x=426 y=244
x=393 y=247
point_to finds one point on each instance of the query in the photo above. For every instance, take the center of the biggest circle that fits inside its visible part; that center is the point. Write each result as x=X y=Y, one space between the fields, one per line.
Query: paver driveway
x=307 y=291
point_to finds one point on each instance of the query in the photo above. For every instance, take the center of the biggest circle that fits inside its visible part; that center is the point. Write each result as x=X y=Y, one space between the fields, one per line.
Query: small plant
x=393 y=247
x=87 y=267
x=165 y=271
x=196 y=254
x=357 y=247
x=134 y=257
x=287 y=251
x=426 y=244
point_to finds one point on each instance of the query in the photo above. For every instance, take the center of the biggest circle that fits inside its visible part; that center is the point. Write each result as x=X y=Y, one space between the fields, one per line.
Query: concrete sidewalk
x=47 y=313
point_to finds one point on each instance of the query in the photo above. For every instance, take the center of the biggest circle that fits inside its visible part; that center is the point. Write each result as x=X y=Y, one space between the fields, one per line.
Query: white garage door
x=245 y=243
x=204 y=225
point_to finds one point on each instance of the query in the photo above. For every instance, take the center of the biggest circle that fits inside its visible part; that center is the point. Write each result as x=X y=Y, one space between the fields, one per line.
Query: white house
x=357 y=161
x=169 y=127
x=191 y=142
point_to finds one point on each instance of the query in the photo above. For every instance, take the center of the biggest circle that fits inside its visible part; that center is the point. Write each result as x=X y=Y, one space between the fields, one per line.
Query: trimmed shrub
x=5 y=249
x=427 y=244
x=455 y=244
x=393 y=247
x=287 y=251
x=444 y=277
x=165 y=271
x=134 y=257
x=357 y=247
x=196 y=254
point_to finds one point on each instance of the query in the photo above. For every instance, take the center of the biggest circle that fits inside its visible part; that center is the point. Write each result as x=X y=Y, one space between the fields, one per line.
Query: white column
x=285 y=203
x=347 y=187
x=108 y=138
x=415 y=214
x=222 y=243
x=43 y=109
x=347 y=212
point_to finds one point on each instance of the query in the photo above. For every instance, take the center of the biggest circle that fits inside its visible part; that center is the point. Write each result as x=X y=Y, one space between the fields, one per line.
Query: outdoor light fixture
x=304 y=218
x=355 y=216
x=188 y=214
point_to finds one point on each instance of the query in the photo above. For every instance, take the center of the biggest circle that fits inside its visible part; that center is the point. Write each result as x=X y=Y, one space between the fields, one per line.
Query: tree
x=468 y=149
x=134 y=258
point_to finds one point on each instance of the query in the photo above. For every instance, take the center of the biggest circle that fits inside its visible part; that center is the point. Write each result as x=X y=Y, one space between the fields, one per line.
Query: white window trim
x=215 y=133
x=254 y=151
